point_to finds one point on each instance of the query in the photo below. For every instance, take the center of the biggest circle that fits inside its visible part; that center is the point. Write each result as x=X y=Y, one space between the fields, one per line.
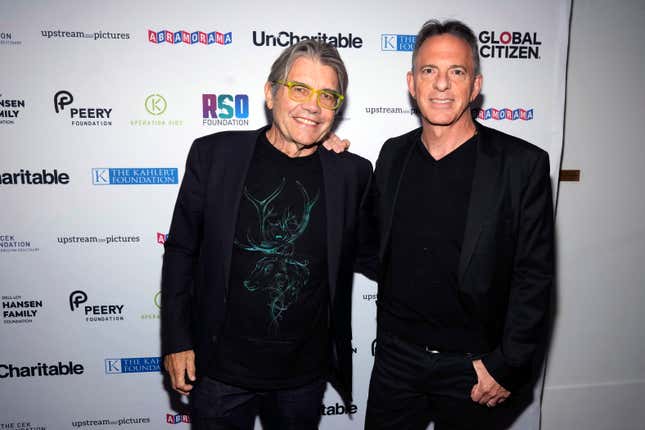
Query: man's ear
x=268 y=95
x=477 y=87
x=411 y=89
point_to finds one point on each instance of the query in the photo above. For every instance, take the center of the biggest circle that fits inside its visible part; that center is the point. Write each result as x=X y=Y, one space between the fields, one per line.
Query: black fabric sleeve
x=531 y=282
x=181 y=255
x=368 y=238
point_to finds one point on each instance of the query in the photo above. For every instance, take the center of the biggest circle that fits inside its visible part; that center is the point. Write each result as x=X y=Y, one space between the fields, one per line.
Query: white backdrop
x=80 y=258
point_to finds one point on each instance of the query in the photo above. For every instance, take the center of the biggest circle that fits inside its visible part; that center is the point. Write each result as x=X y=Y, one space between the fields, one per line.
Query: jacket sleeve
x=531 y=281
x=181 y=255
x=368 y=237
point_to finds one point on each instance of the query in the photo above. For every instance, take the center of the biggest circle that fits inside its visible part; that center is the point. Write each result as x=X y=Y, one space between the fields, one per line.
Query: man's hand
x=334 y=143
x=487 y=391
x=177 y=365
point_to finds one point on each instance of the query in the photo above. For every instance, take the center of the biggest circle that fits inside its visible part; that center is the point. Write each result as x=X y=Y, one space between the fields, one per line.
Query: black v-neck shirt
x=420 y=301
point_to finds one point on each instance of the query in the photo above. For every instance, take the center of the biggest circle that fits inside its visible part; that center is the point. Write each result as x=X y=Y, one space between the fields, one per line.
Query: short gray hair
x=453 y=27
x=310 y=48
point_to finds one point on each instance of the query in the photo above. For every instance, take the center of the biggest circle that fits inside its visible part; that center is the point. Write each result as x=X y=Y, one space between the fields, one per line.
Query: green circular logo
x=158 y=299
x=156 y=104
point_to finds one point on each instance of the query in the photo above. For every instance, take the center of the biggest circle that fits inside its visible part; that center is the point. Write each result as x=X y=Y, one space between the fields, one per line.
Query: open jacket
x=505 y=273
x=197 y=258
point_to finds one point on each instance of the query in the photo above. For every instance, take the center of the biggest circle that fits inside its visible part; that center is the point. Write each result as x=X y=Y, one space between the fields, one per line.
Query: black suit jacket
x=197 y=258
x=506 y=265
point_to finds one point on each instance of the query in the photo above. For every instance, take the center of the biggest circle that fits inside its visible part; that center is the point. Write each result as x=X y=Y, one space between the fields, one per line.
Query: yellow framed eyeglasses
x=299 y=92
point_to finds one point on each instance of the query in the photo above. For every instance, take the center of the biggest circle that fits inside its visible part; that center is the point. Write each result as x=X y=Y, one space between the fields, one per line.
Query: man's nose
x=311 y=105
x=442 y=82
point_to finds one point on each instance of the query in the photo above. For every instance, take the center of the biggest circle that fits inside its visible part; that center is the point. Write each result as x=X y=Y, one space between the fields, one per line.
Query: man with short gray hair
x=257 y=270
x=465 y=222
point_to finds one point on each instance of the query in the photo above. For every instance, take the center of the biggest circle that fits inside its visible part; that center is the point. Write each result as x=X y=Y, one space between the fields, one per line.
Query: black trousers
x=218 y=406
x=412 y=386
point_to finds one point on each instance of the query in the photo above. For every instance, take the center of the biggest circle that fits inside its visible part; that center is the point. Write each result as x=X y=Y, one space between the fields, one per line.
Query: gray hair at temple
x=315 y=50
x=455 y=28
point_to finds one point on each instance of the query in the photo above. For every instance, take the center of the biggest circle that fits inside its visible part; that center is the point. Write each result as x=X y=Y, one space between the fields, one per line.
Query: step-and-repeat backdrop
x=99 y=103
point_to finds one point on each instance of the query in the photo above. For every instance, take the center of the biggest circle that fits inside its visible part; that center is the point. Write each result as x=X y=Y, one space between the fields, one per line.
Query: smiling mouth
x=305 y=121
x=441 y=101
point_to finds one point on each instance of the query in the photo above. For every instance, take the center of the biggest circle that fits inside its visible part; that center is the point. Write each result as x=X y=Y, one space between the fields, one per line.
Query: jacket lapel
x=233 y=170
x=334 y=212
x=391 y=189
x=486 y=180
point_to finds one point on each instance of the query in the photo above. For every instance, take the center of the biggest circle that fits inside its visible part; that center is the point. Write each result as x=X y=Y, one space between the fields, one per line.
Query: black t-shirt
x=276 y=330
x=420 y=300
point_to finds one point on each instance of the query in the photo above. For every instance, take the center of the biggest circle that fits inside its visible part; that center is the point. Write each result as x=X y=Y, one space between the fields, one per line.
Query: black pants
x=218 y=406
x=412 y=386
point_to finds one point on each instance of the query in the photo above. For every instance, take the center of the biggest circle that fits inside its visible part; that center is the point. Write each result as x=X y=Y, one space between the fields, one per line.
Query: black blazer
x=197 y=258
x=506 y=265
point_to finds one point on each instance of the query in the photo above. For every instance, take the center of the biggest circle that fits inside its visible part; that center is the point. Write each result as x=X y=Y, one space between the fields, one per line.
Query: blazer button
x=214 y=339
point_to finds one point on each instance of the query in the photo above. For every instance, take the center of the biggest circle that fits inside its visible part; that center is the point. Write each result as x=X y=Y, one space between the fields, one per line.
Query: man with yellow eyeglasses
x=258 y=264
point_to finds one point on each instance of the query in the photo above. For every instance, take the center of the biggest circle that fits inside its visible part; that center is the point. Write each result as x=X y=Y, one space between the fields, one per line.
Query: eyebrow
x=322 y=89
x=453 y=66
